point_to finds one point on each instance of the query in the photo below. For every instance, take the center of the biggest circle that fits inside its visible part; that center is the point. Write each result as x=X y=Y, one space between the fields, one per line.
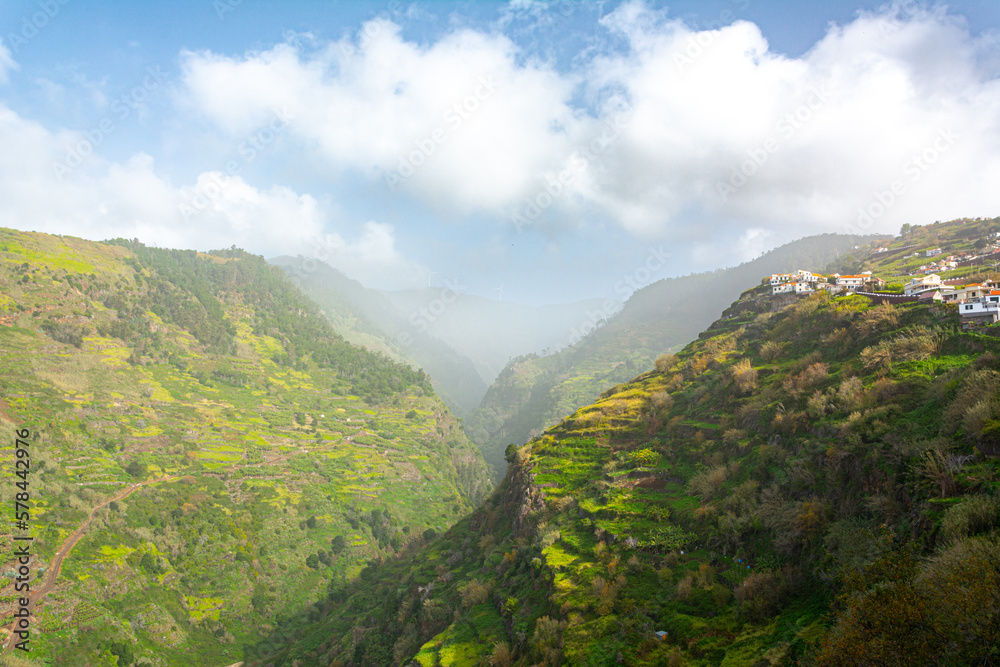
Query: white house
x=808 y=276
x=918 y=285
x=851 y=282
x=968 y=292
x=778 y=278
x=783 y=288
x=931 y=253
x=987 y=309
x=803 y=287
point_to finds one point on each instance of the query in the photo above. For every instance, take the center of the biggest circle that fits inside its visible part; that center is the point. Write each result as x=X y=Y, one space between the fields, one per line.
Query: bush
x=973 y=516
x=547 y=641
x=665 y=362
x=912 y=346
x=761 y=595
x=707 y=483
x=880 y=319
x=473 y=593
x=770 y=351
x=745 y=376
x=500 y=657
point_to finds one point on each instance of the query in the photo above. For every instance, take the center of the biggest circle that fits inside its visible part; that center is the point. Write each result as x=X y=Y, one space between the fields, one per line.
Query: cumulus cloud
x=724 y=138
x=462 y=123
x=97 y=199
x=728 y=132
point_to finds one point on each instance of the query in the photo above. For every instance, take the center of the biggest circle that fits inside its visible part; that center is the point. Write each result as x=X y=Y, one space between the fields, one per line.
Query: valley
x=219 y=475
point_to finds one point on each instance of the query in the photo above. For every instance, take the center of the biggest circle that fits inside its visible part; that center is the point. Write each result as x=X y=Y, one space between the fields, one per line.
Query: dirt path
x=55 y=566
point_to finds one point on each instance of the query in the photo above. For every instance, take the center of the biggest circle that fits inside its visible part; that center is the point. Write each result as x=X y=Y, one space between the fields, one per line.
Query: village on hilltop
x=978 y=300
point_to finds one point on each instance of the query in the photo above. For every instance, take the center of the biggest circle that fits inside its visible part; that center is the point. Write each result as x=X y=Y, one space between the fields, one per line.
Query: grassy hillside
x=533 y=393
x=366 y=317
x=274 y=457
x=816 y=485
x=971 y=243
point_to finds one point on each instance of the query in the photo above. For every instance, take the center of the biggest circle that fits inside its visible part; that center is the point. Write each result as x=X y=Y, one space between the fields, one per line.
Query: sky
x=545 y=151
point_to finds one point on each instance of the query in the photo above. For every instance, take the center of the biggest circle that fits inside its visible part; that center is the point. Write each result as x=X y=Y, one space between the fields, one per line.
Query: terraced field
x=267 y=451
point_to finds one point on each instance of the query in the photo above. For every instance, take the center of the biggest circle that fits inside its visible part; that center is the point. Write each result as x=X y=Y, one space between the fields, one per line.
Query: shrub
x=818 y=405
x=770 y=351
x=811 y=375
x=761 y=595
x=850 y=392
x=880 y=319
x=547 y=641
x=745 y=376
x=665 y=362
x=473 y=593
x=500 y=657
x=707 y=483
x=977 y=416
x=911 y=346
x=661 y=401
x=973 y=516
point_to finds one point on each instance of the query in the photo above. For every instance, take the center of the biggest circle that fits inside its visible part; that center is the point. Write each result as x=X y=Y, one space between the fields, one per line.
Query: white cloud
x=6 y=62
x=829 y=130
x=100 y=199
x=868 y=97
x=475 y=126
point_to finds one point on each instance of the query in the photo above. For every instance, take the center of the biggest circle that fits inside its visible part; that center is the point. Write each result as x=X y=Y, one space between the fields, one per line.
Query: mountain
x=223 y=452
x=490 y=333
x=813 y=480
x=367 y=317
x=462 y=341
x=533 y=393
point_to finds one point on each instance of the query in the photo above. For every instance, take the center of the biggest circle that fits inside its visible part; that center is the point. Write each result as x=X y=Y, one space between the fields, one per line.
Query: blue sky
x=555 y=148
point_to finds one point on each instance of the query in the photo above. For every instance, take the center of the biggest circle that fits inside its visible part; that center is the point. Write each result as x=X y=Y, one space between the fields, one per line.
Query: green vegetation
x=263 y=442
x=533 y=393
x=816 y=485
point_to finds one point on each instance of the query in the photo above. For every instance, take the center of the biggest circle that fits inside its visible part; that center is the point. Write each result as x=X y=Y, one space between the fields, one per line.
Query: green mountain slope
x=533 y=393
x=462 y=341
x=815 y=485
x=273 y=456
x=367 y=317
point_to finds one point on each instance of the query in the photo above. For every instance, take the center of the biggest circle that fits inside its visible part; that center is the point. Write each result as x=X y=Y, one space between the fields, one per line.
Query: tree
x=312 y=562
x=510 y=454
x=338 y=544
x=123 y=652
x=136 y=469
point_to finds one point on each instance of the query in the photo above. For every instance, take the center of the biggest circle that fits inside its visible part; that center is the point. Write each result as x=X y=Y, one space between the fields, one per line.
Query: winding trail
x=55 y=566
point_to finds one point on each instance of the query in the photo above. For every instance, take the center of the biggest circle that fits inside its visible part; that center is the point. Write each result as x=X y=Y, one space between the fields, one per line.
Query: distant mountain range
x=462 y=341
x=534 y=392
